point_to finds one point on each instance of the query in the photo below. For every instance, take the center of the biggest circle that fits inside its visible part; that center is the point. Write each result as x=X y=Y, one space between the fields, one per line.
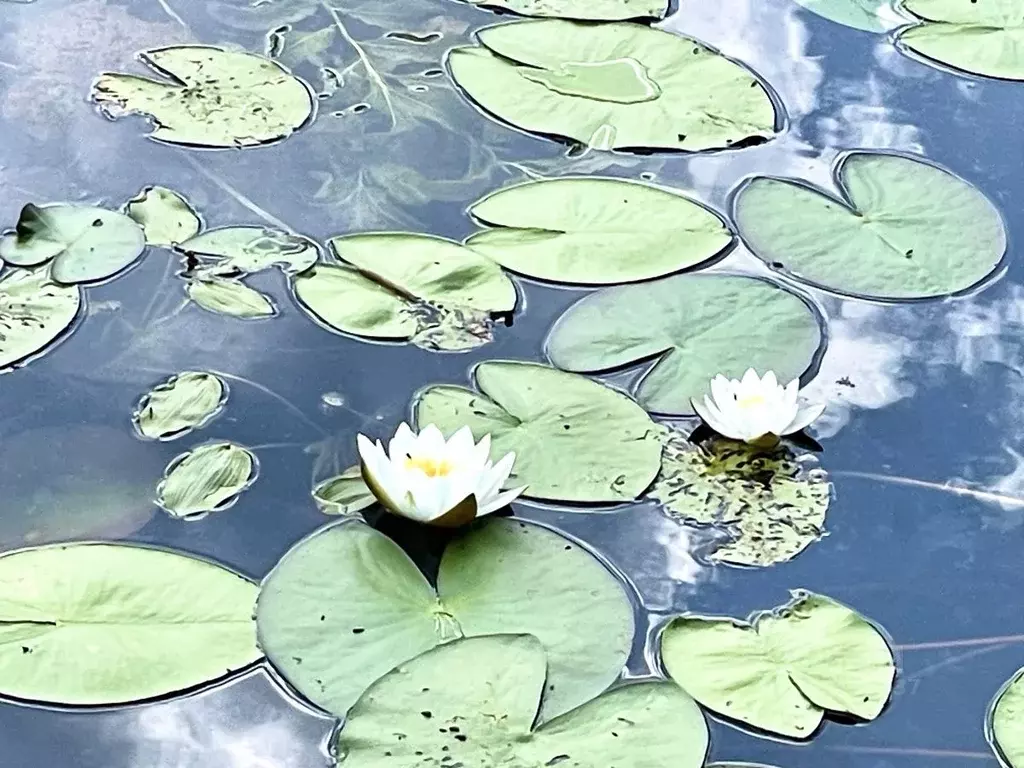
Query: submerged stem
x=239 y=197
x=989 y=496
x=371 y=72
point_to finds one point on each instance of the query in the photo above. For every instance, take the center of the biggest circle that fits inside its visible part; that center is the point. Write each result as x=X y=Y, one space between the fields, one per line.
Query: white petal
x=721 y=391
x=713 y=417
x=431 y=441
x=460 y=448
x=403 y=443
x=750 y=381
x=499 y=501
x=804 y=416
x=770 y=381
x=482 y=452
x=489 y=485
x=367 y=450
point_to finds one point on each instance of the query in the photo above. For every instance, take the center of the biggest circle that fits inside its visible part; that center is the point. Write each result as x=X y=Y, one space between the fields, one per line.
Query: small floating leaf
x=613 y=86
x=695 y=326
x=905 y=230
x=344 y=494
x=86 y=244
x=34 y=312
x=175 y=407
x=583 y=10
x=230 y=297
x=596 y=231
x=330 y=647
x=476 y=698
x=165 y=216
x=782 y=670
x=245 y=250
x=206 y=479
x=574 y=439
x=1005 y=722
x=212 y=98
x=105 y=624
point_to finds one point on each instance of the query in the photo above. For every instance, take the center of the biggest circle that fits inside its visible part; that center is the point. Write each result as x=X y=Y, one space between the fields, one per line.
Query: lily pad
x=165 y=216
x=781 y=671
x=583 y=10
x=208 y=478
x=866 y=15
x=695 y=327
x=574 y=439
x=1005 y=722
x=347 y=605
x=771 y=505
x=184 y=402
x=211 y=98
x=245 y=250
x=34 y=313
x=473 y=702
x=84 y=244
x=345 y=494
x=230 y=297
x=981 y=37
x=595 y=231
x=903 y=229
x=104 y=624
x=614 y=86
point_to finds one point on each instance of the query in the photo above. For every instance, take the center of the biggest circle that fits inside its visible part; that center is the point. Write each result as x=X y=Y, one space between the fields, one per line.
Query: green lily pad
x=344 y=494
x=246 y=250
x=91 y=624
x=34 y=313
x=583 y=10
x=695 y=326
x=347 y=605
x=184 y=402
x=230 y=297
x=473 y=702
x=904 y=230
x=1004 y=724
x=206 y=479
x=574 y=439
x=781 y=671
x=866 y=15
x=344 y=300
x=84 y=244
x=981 y=37
x=165 y=216
x=211 y=98
x=595 y=231
x=772 y=507
x=614 y=86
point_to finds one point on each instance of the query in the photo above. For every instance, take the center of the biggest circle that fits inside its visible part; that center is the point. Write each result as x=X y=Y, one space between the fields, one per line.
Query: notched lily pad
x=345 y=494
x=211 y=98
x=614 y=86
x=235 y=251
x=1004 y=724
x=206 y=479
x=165 y=216
x=582 y=10
x=184 y=402
x=227 y=296
x=34 y=313
x=783 y=670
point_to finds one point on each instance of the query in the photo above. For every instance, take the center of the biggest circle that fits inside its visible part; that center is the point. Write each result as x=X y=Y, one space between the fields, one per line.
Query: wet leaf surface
x=206 y=479
x=182 y=403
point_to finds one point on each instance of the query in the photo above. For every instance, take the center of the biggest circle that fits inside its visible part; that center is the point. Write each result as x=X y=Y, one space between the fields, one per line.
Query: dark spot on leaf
x=358 y=630
x=427 y=714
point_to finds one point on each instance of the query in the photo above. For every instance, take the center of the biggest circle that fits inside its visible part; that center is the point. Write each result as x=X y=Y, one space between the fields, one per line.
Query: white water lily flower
x=755 y=410
x=431 y=480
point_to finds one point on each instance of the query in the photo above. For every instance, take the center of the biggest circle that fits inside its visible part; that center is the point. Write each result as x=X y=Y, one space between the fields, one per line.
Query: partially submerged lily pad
x=614 y=86
x=473 y=702
x=782 y=671
x=211 y=98
x=81 y=243
x=206 y=479
x=772 y=507
x=227 y=296
x=583 y=10
x=347 y=605
x=904 y=229
x=230 y=251
x=574 y=439
x=34 y=313
x=695 y=327
x=866 y=15
x=344 y=494
x=182 y=403
x=1004 y=724
x=165 y=216
x=596 y=231
x=107 y=624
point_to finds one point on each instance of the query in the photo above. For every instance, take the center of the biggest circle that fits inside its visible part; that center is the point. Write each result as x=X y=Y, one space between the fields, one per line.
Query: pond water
x=920 y=437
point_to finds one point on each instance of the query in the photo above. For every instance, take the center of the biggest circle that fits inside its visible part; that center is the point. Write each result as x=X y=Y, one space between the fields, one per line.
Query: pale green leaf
x=584 y=10
x=245 y=250
x=344 y=494
x=165 y=216
x=230 y=297
x=866 y=15
x=182 y=403
x=344 y=300
x=1005 y=722
x=206 y=479
x=34 y=312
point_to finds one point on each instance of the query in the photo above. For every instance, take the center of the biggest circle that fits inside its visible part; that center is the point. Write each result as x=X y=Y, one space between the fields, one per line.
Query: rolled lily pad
x=695 y=326
x=475 y=699
x=595 y=231
x=981 y=37
x=574 y=439
x=84 y=244
x=903 y=229
x=211 y=98
x=184 y=402
x=104 y=624
x=165 y=216
x=230 y=297
x=208 y=478
x=866 y=15
x=34 y=313
x=347 y=605
x=614 y=86
x=772 y=507
x=1005 y=722
x=344 y=494
x=583 y=10
x=781 y=671
x=245 y=250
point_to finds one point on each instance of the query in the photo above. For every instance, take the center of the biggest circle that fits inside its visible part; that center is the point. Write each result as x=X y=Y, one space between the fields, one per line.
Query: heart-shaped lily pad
x=34 y=312
x=246 y=250
x=206 y=479
x=595 y=231
x=473 y=702
x=165 y=216
x=574 y=439
x=227 y=296
x=88 y=624
x=211 y=98
x=905 y=230
x=614 y=86
x=347 y=605
x=696 y=326
x=175 y=407
x=1005 y=722
x=783 y=670
x=583 y=10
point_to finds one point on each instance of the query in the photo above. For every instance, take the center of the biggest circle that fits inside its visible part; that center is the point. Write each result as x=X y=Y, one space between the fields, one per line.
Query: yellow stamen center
x=750 y=401
x=429 y=466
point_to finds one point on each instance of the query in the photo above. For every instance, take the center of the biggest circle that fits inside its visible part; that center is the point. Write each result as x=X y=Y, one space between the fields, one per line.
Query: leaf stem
x=373 y=74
